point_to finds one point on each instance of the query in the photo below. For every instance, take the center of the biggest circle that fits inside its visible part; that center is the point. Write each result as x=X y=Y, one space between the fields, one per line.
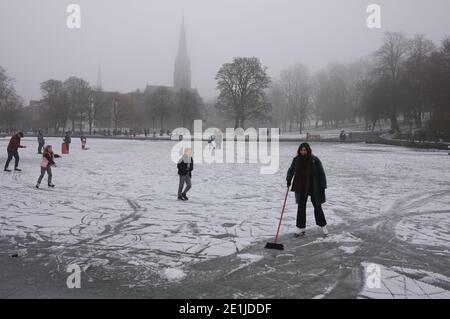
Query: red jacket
x=14 y=144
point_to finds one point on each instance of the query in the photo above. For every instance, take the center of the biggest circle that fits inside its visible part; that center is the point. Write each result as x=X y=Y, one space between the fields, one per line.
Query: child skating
x=46 y=165
x=83 y=142
x=211 y=143
x=185 y=167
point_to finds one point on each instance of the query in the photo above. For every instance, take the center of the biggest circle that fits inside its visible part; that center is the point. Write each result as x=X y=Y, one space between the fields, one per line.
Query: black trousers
x=301 y=211
x=14 y=154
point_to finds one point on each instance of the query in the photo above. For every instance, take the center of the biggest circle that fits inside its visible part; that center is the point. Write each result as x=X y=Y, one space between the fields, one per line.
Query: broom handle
x=281 y=218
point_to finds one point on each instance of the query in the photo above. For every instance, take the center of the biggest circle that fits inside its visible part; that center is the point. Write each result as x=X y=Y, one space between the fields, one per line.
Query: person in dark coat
x=307 y=176
x=41 y=141
x=67 y=140
x=13 y=151
x=185 y=167
x=83 y=142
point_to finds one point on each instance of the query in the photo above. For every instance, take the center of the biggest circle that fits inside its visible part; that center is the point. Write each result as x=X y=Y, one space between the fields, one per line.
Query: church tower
x=182 y=71
x=99 y=79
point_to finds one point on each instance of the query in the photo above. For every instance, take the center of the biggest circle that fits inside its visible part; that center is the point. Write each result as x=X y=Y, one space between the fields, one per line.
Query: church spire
x=182 y=72
x=99 y=78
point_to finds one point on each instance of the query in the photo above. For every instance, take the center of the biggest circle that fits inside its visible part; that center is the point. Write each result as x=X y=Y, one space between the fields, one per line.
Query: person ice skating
x=83 y=142
x=41 y=141
x=211 y=143
x=48 y=160
x=67 y=140
x=13 y=151
x=185 y=167
x=308 y=179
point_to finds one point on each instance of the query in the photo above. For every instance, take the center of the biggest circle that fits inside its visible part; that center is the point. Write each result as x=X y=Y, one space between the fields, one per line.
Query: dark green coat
x=319 y=183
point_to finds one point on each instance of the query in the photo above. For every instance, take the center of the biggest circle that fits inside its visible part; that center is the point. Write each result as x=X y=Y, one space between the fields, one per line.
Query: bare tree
x=374 y=96
x=389 y=58
x=332 y=97
x=187 y=106
x=295 y=83
x=438 y=91
x=55 y=96
x=241 y=85
x=79 y=95
x=159 y=105
x=91 y=111
x=10 y=102
x=279 y=113
x=360 y=78
x=415 y=76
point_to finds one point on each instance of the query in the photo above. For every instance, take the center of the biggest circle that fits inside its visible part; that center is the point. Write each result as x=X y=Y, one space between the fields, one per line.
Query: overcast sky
x=135 y=41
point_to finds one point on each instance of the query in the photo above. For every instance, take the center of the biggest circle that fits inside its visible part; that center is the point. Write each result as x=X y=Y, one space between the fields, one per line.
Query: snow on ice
x=117 y=201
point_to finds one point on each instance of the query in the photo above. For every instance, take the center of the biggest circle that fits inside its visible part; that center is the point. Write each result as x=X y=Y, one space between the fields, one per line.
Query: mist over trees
x=10 y=102
x=405 y=82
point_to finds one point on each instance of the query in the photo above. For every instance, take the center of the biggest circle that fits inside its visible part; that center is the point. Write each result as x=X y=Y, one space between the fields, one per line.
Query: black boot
x=17 y=169
x=51 y=185
x=180 y=197
x=7 y=170
x=184 y=196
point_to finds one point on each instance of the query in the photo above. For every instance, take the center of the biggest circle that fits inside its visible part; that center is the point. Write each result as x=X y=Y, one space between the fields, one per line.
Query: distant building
x=124 y=109
x=182 y=70
x=121 y=111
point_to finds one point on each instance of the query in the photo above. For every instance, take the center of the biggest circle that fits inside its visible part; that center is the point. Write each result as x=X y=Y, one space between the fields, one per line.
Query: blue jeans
x=184 y=179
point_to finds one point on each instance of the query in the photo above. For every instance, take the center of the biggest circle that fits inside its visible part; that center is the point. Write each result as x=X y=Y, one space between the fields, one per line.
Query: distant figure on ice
x=211 y=143
x=48 y=160
x=41 y=141
x=83 y=142
x=13 y=151
x=67 y=140
x=185 y=167
x=342 y=136
x=309 y=179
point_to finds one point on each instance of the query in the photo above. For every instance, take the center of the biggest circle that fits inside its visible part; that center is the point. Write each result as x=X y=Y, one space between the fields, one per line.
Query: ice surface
x=396 y=285
x=349 y=249
x=118 y=201
x=429 y=229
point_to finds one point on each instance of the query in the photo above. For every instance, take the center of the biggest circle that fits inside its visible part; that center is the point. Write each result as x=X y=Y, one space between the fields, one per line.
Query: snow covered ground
x=115 y=207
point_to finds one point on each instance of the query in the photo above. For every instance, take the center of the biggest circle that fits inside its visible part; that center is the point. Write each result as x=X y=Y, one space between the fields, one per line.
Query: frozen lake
x=115 y=208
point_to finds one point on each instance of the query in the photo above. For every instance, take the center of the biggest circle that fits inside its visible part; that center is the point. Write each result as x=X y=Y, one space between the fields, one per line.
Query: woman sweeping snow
x=308 y=179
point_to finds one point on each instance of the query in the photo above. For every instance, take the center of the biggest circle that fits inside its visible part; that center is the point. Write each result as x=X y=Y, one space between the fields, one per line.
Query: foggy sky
x=135 y=41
